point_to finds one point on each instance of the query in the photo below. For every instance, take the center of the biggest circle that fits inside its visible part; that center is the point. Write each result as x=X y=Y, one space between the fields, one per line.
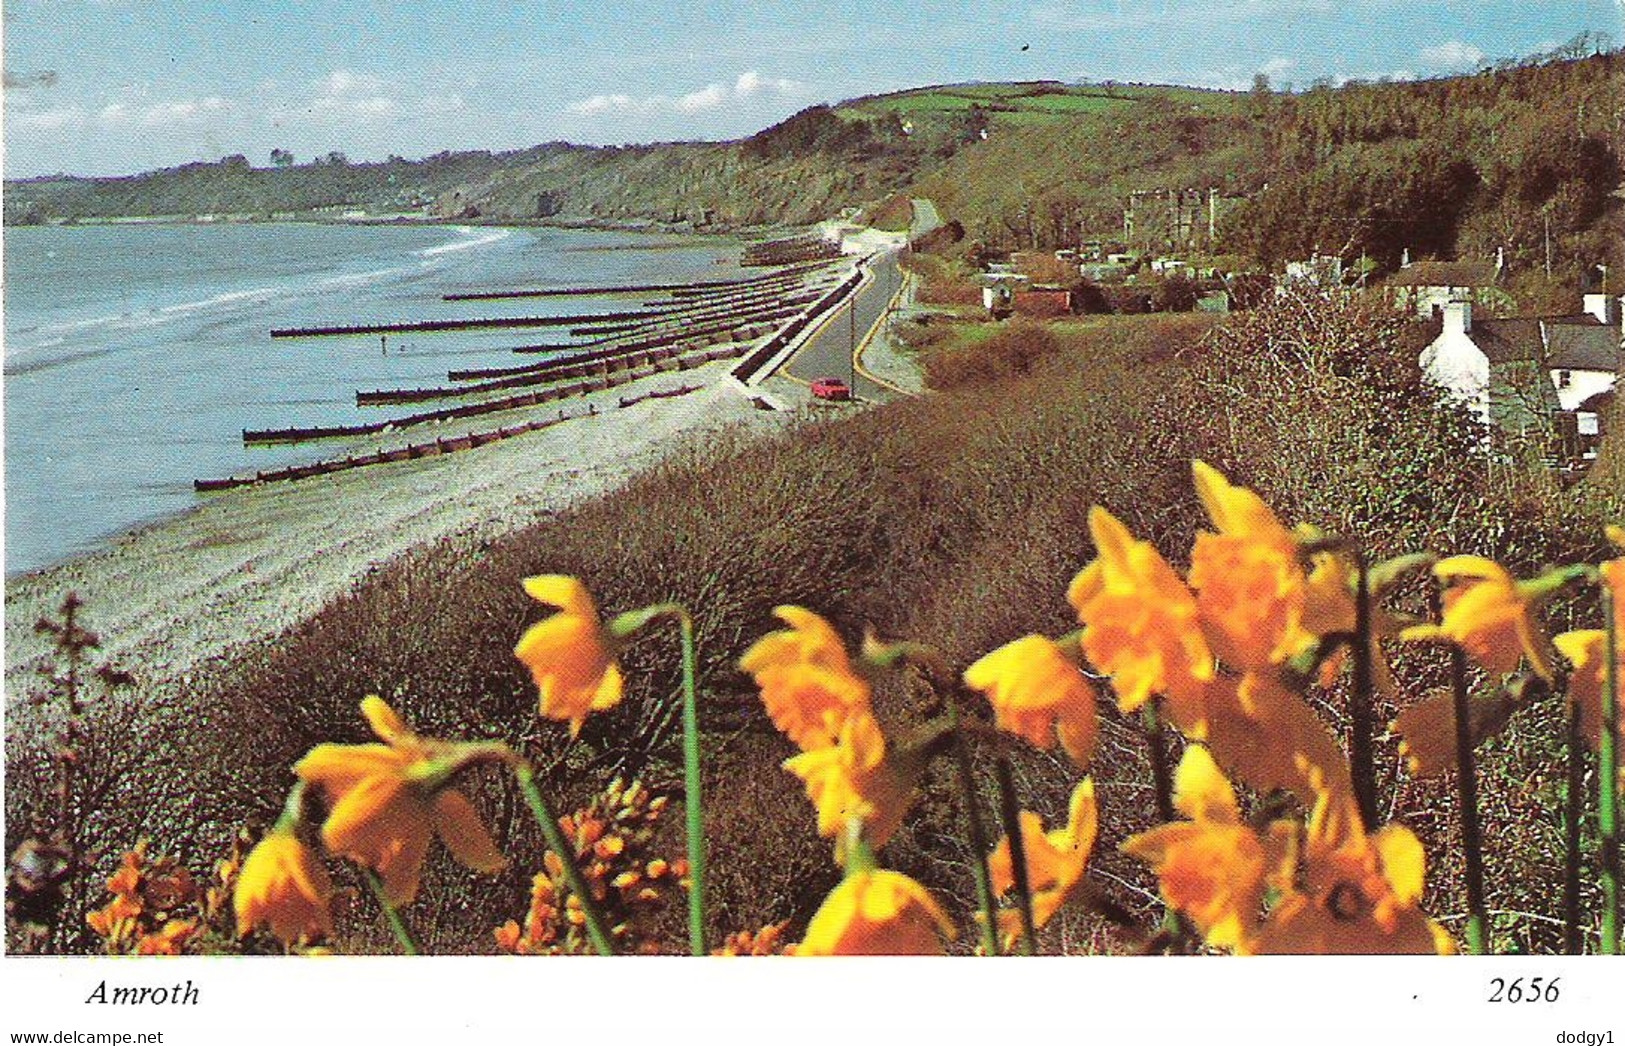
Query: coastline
x=175 y=594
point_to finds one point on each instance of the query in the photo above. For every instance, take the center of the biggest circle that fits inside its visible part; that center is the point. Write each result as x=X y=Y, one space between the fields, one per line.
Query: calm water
x=135 y=355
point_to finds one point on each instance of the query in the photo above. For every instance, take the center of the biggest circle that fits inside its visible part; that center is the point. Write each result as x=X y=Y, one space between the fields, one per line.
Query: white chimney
x=1603 y=307
x=1458 y=317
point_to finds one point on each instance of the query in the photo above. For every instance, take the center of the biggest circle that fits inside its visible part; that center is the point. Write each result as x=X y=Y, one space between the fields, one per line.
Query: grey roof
x=1446 y=274
x=1559 y=342
x=1507 y=341
x=1582 y=346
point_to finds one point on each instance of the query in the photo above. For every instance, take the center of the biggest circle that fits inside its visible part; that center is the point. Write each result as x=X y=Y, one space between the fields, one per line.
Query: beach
x=172 y=597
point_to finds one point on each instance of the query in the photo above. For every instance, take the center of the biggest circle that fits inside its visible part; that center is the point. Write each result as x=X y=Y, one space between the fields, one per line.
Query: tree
x=1261 y=99
x=281 y=158
x=1176 y=293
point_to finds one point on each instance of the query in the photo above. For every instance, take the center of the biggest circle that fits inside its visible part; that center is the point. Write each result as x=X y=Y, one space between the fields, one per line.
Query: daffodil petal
x=464 y=834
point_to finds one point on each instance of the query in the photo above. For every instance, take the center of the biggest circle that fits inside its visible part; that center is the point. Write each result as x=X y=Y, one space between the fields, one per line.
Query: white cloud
x=751 y=81
x=1278 y=66
x=1240 y=77
x=1452 y=55
x=343 y=95
x=713 y=96
x=45 y=119
x=189 y=111
x=442 y=103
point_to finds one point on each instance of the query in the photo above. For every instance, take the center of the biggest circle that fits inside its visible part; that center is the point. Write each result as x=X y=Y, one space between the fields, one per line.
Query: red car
x=831 y=389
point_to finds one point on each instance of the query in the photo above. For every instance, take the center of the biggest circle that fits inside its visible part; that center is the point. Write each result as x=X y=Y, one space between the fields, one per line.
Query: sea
x=136 y=353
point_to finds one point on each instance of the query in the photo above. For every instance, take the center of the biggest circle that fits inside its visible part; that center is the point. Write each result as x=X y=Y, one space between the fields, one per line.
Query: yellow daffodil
x=388 y=800
x=1250 y=586
x=806 y=679
x=570 y=655
x=853 y=779
x=1588 y=650
x=1268 y=737
x=1213 y=867
x=1038 y=694
x=877 y=912
x=283 y=886
x=1613 y=575
x=1355 y=894
x=1055 y=860
x=1139 y=623
x=1491 y=615
x=1427 y=729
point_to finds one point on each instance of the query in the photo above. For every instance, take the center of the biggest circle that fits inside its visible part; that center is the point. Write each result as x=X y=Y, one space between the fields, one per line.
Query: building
x=1532 y=375
x=999 y=287
x=1321 y=270
x=1428 y=286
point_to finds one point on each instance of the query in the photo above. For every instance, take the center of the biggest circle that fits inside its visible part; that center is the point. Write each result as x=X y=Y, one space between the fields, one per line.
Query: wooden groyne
x=792 y=249
x=555 y=370
x=442 y=445
x=689 y=288
x=429 y=326
x=597 y=382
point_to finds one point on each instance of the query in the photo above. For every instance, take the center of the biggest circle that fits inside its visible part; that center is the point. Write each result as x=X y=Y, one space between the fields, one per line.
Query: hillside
x=1511 y=156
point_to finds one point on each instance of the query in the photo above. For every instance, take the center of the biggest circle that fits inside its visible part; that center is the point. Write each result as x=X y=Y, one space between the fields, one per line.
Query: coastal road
x=827 y=353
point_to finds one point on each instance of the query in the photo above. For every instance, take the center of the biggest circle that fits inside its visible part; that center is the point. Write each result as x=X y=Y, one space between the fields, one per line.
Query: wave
x=15 y=368
x=474 y=239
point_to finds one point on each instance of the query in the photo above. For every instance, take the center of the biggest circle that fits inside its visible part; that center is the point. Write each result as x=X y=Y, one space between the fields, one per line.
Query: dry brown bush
x=956 y=519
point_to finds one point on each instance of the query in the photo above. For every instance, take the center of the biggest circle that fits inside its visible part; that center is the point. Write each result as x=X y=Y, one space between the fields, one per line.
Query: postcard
x=1113 y=486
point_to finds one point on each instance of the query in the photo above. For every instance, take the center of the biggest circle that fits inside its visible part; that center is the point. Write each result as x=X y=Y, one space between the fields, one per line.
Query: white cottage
x=1528 y=372
x=1428 y=286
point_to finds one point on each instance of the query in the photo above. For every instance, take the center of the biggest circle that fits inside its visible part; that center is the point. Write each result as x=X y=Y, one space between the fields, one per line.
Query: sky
x=106 y=87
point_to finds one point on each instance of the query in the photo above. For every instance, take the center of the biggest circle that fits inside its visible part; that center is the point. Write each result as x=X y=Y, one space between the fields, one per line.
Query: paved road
x=828 y=352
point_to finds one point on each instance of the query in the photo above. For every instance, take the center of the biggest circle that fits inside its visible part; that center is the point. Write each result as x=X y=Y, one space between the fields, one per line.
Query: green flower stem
x=691 y=790
x=623 y=626
x=1362 y=767
x=393 y=917
x=1467 y=790
x=1608 y=772
x=1010 y=813
x=1573 y=811
x=1162 y=783
x=858 y=856
x=549 y=824
x=978 y=838
x=1161 y=778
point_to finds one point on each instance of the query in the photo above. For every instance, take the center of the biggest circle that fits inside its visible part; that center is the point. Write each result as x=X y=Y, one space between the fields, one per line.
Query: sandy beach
x=248 y=564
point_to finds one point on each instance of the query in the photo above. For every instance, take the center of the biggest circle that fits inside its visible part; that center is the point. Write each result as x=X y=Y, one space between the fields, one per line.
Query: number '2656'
x=1534 y=989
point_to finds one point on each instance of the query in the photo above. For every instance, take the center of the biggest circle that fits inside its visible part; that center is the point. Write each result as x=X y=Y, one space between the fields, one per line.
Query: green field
x=999 y=98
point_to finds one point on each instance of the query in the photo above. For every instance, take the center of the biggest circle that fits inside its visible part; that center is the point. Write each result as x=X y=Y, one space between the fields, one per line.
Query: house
x=1428 y=286
x=1103 y=272
x=1532 y=374
x=999 y=286
x=1321 y=270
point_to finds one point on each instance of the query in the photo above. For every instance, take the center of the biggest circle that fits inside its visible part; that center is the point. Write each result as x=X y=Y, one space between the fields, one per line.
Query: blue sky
x=117 y=86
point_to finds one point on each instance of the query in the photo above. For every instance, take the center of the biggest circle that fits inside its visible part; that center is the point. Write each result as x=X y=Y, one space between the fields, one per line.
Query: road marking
x=868 y=276
x=857 y=355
